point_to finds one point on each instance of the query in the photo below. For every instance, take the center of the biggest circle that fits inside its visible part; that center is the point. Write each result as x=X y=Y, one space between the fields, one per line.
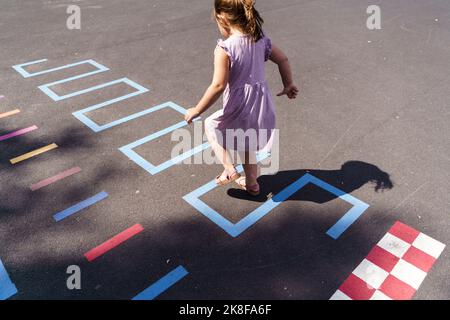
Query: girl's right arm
x=278 y=57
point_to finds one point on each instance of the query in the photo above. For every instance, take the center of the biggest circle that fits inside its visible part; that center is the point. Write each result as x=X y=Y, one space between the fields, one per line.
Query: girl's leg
x=251 y=169
x=222 y=154
x=250 y=182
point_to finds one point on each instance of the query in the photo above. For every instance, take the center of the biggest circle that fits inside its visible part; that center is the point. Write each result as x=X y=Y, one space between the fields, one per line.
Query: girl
x=248 y=109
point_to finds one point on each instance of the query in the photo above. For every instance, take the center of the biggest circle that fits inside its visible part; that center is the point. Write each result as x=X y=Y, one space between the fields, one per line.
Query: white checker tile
x=394 y=245
x=371 y=274
x=339 y=295
x=378 y=295
x=428 y=245
x=409 y=274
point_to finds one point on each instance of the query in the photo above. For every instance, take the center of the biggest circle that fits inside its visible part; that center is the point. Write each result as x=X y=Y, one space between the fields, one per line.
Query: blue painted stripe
x=179 y=159
x=157 y=135
x=347 y=220
x=162 y=285
x=7 y=288
x=26 y=74
x=80 y=206
x=359 y=207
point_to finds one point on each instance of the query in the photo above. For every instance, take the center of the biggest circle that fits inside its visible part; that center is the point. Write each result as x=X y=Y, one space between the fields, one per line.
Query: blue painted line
x=80 y=206
x=80 y=115
x=46 y=89
x=7 y=288
x=179 y=159
x=162 y=285
x=347 y=220
x=146 y=165
x=20 y=68
x=234 y=230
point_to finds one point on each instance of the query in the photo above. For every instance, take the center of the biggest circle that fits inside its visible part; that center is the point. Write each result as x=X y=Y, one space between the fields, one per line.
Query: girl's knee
x=209 y=125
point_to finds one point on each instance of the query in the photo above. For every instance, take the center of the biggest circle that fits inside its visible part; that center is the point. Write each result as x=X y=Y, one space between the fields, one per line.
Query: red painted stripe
x=54 y=179
x=397 y=289
x=113 y=242
x=404 y=232
x=419 y=259
x=357 y=289
x=382 y=258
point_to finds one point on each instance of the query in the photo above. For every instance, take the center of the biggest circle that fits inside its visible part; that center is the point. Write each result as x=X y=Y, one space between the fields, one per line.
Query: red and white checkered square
x=394 y=269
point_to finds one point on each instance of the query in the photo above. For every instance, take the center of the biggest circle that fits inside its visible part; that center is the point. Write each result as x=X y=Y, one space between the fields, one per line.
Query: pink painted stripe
x=113 y=242
x=54 y=179
x=1 y=97
x=17 y=133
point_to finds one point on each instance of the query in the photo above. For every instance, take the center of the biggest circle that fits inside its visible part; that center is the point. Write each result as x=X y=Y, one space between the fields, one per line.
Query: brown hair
x=241 y=14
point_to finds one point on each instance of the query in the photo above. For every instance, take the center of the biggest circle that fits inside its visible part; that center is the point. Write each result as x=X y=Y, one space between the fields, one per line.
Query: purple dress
x=248 y=108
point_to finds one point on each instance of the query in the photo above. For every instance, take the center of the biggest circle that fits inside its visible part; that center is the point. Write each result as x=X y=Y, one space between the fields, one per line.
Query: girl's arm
x=279 y=58
x=217 y=87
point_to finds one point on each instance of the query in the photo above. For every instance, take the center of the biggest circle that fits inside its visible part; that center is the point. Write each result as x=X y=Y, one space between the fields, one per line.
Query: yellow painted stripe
x=34 y=153
x=9 y=113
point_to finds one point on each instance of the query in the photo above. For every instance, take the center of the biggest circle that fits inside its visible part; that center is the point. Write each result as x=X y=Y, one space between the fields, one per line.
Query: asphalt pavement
x=372 y=120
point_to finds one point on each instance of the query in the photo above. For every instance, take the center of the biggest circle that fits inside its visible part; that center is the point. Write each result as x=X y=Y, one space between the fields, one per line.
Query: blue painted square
x=81 y=114
x=237 y=229
x=20 y=69
x=139 y=90
x=146 y=165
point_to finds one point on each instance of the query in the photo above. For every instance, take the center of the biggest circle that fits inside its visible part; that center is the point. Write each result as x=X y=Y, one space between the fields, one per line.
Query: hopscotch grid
x=80 y=115
x=234 y=230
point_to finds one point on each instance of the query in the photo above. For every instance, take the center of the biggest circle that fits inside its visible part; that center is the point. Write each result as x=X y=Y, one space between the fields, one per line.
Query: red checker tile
x=419 y=259
x=404 y=232
x=396 y=289
x=382 y=258
x=357 y=289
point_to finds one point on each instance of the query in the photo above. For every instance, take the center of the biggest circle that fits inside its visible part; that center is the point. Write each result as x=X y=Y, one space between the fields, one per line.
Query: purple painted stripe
x=1 y=97
x=17 y=133
x=54 y=179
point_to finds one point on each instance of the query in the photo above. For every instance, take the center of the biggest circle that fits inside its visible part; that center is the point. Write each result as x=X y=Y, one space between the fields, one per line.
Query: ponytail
x=254 y=20
x=241 y=13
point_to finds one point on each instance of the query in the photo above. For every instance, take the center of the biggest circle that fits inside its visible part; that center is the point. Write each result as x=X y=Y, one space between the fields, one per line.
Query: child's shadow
x=352 y=176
